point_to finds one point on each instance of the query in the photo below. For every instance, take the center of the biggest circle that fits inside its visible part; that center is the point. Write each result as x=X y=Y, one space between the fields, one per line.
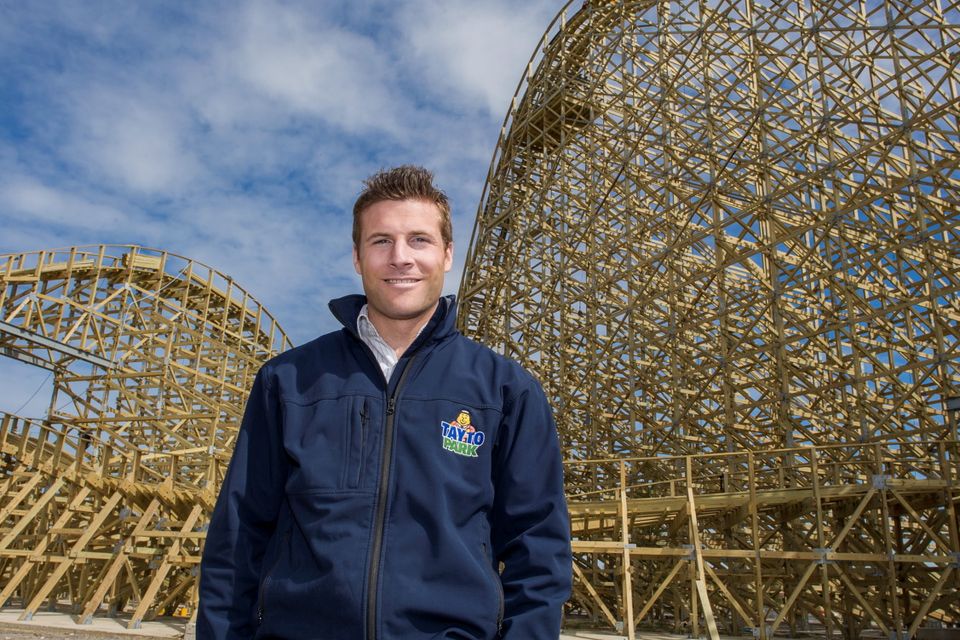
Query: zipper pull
x=391 y=406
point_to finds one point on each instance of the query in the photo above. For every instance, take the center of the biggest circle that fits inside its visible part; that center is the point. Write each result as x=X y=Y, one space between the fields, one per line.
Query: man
x=384 y=473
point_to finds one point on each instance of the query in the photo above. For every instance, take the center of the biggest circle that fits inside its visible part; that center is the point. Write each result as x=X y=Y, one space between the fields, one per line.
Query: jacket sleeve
x=243 y=521
x=530 y=527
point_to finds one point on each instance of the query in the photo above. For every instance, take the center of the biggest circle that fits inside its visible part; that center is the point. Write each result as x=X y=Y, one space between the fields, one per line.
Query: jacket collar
x=442 y=324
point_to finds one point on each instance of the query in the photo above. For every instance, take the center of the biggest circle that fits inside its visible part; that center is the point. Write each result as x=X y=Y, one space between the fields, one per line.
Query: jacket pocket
x=328 y=443
x=356 y=444
x=262 y=595
x=488 y=562
x=353 y=440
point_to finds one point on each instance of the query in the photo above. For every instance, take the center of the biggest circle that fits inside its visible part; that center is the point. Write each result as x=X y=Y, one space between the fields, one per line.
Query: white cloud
x=289 y=55
x=28 y=199
x=137 y=140
x=476 y=50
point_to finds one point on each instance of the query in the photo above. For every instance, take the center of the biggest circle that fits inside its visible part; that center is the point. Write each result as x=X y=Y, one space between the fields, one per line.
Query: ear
x=356 y=260
x=448 y=257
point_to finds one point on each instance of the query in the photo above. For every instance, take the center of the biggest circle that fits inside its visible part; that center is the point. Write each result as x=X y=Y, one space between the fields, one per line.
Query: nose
x=400 y=254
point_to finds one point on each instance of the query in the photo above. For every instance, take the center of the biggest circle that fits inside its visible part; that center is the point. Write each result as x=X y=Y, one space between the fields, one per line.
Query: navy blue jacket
x=357 y=508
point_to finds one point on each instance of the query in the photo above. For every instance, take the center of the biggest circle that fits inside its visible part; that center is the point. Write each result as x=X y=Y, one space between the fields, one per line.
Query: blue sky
x=237 y=133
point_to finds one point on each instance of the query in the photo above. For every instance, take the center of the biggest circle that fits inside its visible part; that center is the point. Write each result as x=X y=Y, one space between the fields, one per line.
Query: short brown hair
x=406 y=182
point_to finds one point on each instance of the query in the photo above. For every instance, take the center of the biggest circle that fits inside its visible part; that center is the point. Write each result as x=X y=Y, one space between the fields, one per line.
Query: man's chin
x=399 y=313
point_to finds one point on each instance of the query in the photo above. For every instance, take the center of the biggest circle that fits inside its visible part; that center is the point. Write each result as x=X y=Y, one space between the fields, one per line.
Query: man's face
x=401 y=259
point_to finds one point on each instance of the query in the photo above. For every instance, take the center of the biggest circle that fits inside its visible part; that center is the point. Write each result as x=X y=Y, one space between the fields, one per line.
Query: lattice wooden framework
x=725 y=235
x=104 y=502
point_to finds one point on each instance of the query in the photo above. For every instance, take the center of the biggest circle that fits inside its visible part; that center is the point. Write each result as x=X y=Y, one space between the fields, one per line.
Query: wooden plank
x=794 y=594
x=19 y=497
x=160 y=575
x=35 y=508
x=700 y=580
x=36 y=554
x=578 y=573
x=732 y=599
x=707 y=609
x=935 y=593
x=627 y=567
x=118 y=562
x=652 y=600
x=855 y=591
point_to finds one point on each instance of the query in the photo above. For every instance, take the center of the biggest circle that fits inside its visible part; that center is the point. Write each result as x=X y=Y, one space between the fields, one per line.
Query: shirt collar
x=367 y=331
x=443 y=323
x=385 y=355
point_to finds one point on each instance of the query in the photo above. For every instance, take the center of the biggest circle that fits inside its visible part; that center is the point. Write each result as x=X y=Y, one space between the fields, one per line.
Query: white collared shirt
x=383 y=352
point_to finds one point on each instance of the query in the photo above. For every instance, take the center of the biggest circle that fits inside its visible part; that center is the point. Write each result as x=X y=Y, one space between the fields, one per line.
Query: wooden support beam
x=660 y=589
x=35 y=508
x=121 y=555
x=160 y=575
x=701 y=575
x=590 y=589
x=93 y=527
x=627 y=563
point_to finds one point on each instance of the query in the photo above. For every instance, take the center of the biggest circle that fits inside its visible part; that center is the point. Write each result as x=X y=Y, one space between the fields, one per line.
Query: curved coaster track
x=104 y=503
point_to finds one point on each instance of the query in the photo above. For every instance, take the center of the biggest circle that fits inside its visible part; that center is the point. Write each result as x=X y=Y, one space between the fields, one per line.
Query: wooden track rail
x=104 y=502
x=725 y=236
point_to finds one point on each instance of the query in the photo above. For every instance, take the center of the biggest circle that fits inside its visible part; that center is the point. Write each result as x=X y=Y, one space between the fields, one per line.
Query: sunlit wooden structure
x=104 y=501
x=726 y=237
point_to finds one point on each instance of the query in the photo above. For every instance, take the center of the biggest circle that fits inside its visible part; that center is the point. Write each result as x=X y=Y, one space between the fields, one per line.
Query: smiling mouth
x=401 y=281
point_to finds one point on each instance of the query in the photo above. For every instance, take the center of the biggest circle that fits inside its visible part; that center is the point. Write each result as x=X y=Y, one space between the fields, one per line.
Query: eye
x=381 y=241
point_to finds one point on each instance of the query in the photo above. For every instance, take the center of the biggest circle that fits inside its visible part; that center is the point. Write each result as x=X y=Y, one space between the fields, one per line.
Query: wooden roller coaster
x=104 y=503
x=725 y=235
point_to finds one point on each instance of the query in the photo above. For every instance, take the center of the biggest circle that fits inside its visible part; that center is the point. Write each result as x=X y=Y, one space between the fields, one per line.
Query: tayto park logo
x=461 y=437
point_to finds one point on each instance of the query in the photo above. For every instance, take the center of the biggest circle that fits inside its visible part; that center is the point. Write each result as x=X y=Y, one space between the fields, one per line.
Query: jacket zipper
x=381 y=505
x=266 y=578
x=496 y=581
x=364 y=417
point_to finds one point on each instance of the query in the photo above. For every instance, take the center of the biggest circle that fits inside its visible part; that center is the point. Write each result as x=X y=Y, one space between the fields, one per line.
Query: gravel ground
x=9 y=633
